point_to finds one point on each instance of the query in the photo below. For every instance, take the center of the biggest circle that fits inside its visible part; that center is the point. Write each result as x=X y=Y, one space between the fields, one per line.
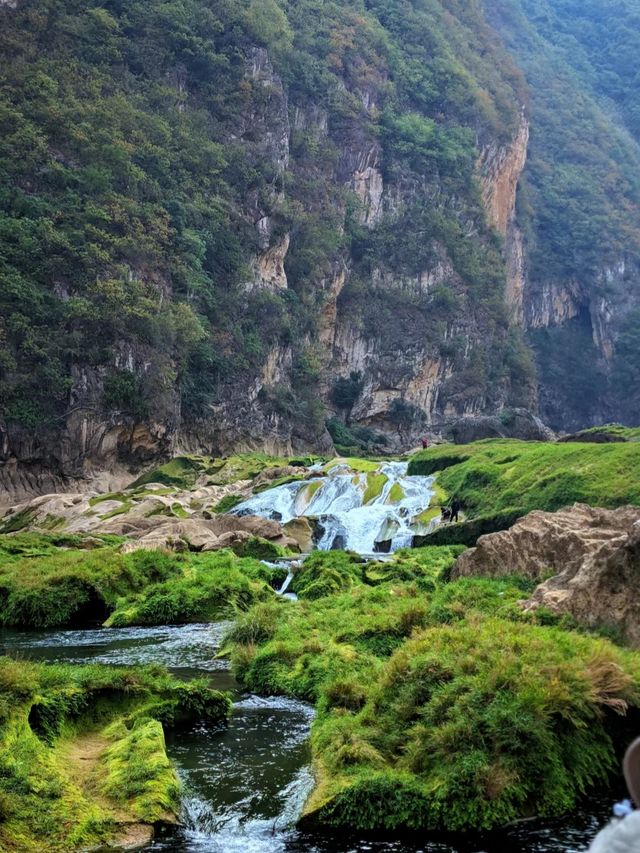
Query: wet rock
x=301 y=530
x=593 y=555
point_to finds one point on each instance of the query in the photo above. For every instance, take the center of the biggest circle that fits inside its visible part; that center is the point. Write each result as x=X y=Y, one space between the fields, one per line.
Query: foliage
x=440 y=705
x=345 y=391
x=580 y=195
x=131 y=185
x=473 y=726
x=68 y=732
x=45 y=587
x=349 y=440
x=506 y=476
x=227 y=503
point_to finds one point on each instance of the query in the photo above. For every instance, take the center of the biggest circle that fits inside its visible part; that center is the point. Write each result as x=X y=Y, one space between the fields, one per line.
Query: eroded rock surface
x=588 y=560
x=155 y=515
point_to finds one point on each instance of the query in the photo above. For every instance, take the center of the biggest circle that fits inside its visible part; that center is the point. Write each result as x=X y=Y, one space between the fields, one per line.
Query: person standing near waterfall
x=455 y=509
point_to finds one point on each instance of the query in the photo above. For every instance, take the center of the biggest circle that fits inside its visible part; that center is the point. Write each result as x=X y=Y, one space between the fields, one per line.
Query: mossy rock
x=474 y=726
x=396 y=494
x=374 y=485
x=362 y=466
x=306 y=495
x=491 y=477
x=180 y=472
x=427 y=515
x=468 y=532
x=83 y=752
x=227 y=503
x=18 y=521
x=259 y=549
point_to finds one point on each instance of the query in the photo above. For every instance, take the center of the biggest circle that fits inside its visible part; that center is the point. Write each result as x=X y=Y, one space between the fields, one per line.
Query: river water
x=245 y=784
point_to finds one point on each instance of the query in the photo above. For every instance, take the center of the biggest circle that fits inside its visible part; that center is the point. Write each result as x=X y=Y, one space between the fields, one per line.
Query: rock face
x=346 y=239
x=516 y=423
x=592 y=554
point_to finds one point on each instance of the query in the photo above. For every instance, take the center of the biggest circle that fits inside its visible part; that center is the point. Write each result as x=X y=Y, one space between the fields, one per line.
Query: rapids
x=337 y=501
x=244 y=786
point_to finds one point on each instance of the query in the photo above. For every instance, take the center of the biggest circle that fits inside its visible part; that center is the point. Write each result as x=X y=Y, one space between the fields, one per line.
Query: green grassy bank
x=499 y=480
x=440 y=705
x=82 y=752
x=73 y=581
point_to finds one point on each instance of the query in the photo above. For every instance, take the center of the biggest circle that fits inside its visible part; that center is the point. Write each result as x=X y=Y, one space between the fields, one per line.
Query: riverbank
x=441 y=706
x=83 y=754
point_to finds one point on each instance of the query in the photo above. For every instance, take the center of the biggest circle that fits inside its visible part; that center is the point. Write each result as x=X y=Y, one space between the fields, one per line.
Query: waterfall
x=336 y=501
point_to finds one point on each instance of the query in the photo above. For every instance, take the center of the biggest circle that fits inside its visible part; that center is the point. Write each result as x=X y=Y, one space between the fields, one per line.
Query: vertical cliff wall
x=573 y=273
x=223 y=228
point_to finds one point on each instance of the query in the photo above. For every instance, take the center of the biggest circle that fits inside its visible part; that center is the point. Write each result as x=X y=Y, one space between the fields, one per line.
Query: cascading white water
x=337 y=501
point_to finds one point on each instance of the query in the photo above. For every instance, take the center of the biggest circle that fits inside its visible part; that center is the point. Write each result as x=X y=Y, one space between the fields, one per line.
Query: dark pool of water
x=245 y=785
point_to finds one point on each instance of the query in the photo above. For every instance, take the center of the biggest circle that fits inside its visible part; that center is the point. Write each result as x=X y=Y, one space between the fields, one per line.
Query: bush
x=479 y=724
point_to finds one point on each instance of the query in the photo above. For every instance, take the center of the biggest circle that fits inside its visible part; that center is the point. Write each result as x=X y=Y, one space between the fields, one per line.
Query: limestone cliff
x=247 y=226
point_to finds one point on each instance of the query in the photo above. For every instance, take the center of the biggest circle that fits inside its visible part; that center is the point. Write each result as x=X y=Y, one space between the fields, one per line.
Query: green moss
x=18 y=521
x=259 y=549
x=180 y=472
x=440 y=705
x=139 y=775
x=243 y=466
x=82 y=750
x=278 y=481
x=110 y=496
x=468 y=532
x=306 y=494
x=179 y=511
x=396 y=494
x=375 y=485
x=227 y=503
x=479 y=724
x=496 y=476
x=440 y=496
x=325 y=573
x=427 y=516
x=363 y=466
x=42 y=586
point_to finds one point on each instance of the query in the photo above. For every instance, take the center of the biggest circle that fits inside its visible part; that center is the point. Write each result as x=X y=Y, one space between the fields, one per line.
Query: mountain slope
x=189 y=186
x=579 y=202
x=222 y=223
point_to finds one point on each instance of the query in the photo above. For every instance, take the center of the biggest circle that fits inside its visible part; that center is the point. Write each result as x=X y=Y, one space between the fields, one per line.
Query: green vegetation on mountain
x=580 y=194
x=440 y=705
x=82 y=753
x=132 y=181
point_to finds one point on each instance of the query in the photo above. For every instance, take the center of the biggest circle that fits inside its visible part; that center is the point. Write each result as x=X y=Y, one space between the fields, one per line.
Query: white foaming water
x=338 y=504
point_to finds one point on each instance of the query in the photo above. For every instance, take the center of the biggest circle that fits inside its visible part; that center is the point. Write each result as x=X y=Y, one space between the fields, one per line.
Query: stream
x=246 y=784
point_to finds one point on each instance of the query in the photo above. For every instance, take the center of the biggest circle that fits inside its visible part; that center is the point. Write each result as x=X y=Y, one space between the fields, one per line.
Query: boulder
x=233 y=537
x=587 y=559
x=514 y=423
x=176 y=535
x=255 y=525
x=300 y=530
x=269 y=474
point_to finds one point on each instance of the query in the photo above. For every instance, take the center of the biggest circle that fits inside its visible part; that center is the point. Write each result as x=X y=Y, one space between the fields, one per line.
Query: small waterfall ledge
x=362 y=512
